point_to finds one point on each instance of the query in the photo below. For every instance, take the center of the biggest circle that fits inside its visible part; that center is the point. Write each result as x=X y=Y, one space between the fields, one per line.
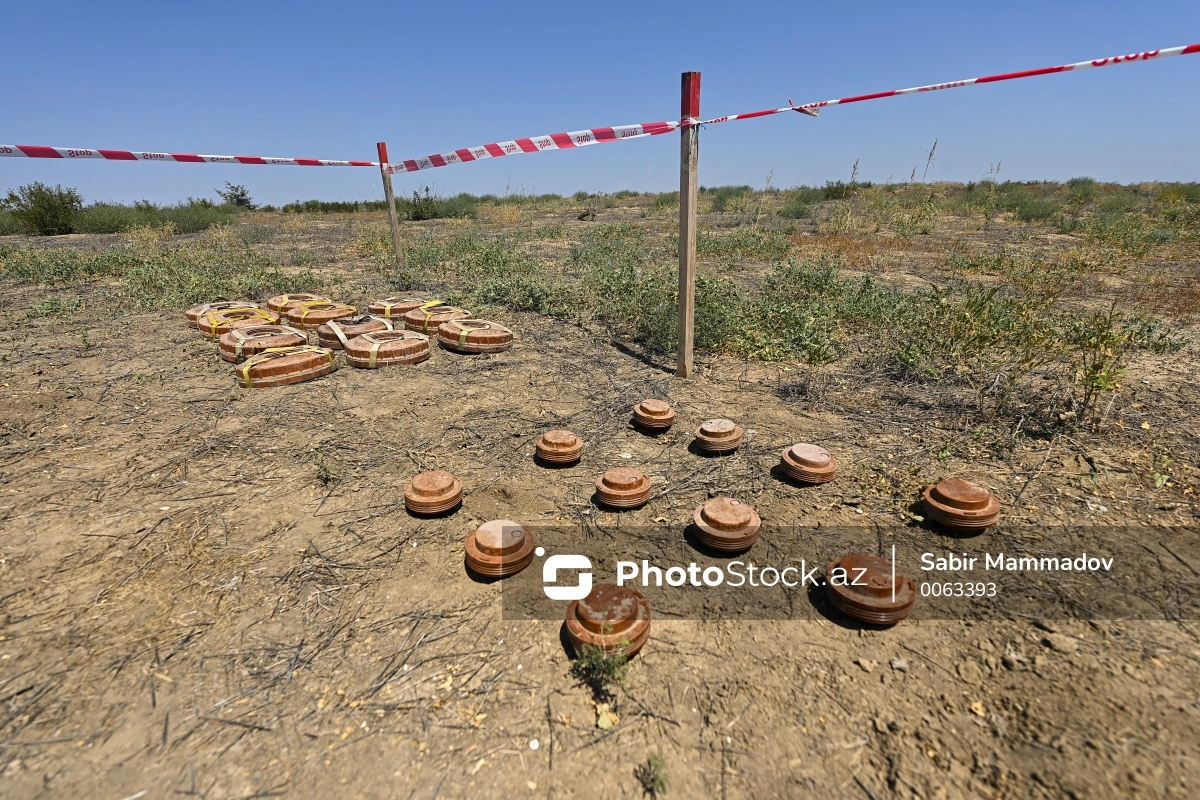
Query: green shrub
x=725 y=198
x=837 y=190
x=798 y=202
x=336 y=207
x=430 y=206
x=106 y=218
x=39 y=209
x=55 y=306
x=237 y=196
x=666 y=201
x=1030 y=208
x=60 y=265
x=192 y=216
x=257 y=233
x=751 y=242
x=8 y=224
x=1081 y=190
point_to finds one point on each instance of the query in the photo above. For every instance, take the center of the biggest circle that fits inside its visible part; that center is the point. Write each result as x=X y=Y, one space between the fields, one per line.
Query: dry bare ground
x=213 y=592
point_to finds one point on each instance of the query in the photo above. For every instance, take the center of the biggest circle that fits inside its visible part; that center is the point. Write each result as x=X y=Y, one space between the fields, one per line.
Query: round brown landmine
x=615 y=619
x=653 y=415
x=474 y=336
x=427 y=320
x=499 y=548
x=432 y=492
x=558 y=447
x=337 y=332
x=727 y=525
x=809 y=463
x=193 y=314
x=863 y=589
x=280 y=303
x=718 y=436
x=386 y=348
x=395 y=307
x=239 y=343
x=280 y=366
x=215 y=323
x=312 y=314
x=623 y=487
x=961 y=505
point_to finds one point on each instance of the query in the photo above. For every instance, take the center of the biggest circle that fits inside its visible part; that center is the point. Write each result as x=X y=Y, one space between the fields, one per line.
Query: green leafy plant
x=55 y=306
x=601 y=672
x=652 y=775
x=1102 y=342
x=38 y=208
x=236 y=195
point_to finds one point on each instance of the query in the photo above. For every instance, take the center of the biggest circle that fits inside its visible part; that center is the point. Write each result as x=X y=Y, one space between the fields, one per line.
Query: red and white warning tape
x=558 y=141
x=536 y=144
x=41 y=151
x=572 y=139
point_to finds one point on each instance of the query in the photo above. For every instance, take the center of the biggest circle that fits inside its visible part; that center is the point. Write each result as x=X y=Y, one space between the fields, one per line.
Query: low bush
x=430 y=206
x=40 y=209
x=192 y=216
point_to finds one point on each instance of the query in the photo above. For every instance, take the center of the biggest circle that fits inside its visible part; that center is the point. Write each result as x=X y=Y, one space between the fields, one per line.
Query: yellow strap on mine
x=387 y=322
x=241 y=340
x=424 y=309
x=277 y=352
x=337 y=331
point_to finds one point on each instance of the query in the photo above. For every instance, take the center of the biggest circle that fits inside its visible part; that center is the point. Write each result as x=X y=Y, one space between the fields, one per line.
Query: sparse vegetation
x=602 y=673
x=652 y=775
x=987 y=324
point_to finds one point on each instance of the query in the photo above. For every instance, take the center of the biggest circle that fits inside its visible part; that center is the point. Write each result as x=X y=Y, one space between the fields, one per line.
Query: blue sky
x=327 y=80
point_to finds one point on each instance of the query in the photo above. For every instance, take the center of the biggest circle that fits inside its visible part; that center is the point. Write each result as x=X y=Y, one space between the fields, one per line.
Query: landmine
x=809 y=463
x=427 y=319
x=395 y=307
x=499 y=548
x=718 y=436
x=240 y=343
x=558 y=447
x=215 y=323
x=194 y=314
x=860 y=585
x=280 y=366
x=727 y=525
x=432 y=492
x=961 y=506
x=623 y=487
x=653 y=415
x=474 y=336
x=385 y=348
x=615 y=619
x=337 y=332
x=313 y=314
x=281 y=303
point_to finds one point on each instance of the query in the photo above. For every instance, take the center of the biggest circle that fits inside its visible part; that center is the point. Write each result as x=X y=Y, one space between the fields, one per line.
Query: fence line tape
x=558 y=141
x=42 y=151
x=573 y=139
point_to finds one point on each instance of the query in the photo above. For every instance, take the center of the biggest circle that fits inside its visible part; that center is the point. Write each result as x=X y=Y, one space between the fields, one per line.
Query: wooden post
x=689 y=151
x=391 y=201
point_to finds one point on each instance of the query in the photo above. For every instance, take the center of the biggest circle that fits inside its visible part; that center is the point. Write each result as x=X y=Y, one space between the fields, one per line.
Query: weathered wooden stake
x=393 y=220
x=689 y=147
